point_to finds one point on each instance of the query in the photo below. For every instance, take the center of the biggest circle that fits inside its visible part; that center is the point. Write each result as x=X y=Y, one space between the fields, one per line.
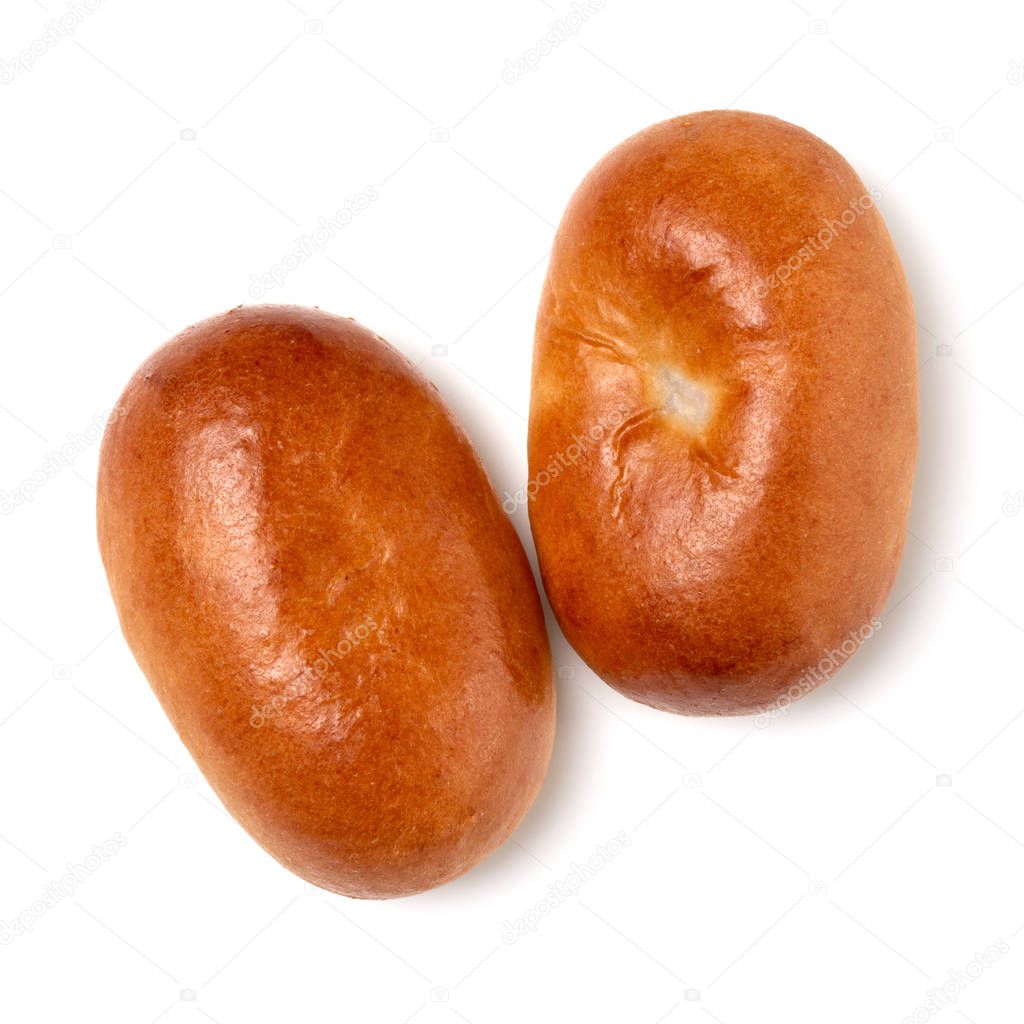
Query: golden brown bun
x=723 y=422
x=314 y=574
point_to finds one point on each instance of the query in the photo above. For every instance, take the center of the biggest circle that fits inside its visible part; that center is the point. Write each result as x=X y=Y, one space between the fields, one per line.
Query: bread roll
x=314 y=574
x=723 y=421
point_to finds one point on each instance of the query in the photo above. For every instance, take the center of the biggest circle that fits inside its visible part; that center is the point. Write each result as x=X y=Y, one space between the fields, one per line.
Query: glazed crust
x=726 y=346
x=312 y=570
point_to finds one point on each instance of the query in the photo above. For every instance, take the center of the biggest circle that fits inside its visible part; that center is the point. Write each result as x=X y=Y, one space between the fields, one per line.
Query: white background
x=835 y=866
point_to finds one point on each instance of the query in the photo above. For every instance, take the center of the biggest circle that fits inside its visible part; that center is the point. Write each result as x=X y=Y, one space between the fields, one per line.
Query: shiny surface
x=749 y=510
x=312 y=570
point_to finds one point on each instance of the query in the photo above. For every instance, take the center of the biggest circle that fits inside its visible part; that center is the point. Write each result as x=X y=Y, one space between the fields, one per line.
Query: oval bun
x=313 y=572
x=725 y=344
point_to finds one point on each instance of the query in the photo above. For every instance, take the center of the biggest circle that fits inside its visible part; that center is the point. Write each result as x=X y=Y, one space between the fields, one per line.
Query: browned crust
x=706 y=571
x=314 y=574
